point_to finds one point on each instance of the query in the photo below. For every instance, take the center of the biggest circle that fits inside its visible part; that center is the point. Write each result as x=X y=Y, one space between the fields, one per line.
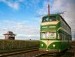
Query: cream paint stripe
x=51 y=41
x=50 y=23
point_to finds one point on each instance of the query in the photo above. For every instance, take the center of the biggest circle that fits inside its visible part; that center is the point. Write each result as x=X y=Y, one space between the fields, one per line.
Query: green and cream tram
x=55 y=33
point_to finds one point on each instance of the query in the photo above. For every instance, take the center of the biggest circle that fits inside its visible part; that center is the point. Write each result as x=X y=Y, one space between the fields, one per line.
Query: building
x=9 y=35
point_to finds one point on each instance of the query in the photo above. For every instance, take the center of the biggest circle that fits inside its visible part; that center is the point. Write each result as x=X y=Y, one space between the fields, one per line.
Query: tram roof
x=51 y=15
x=56 y=15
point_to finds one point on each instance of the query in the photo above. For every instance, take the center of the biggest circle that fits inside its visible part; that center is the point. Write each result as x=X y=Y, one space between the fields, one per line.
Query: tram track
x=33 y=53
x=16 y=52
x=28 y=53
x=37 y=53
x=47 y=55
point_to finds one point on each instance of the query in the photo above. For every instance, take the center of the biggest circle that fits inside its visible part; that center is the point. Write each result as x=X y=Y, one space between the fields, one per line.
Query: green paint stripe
x=59 y=45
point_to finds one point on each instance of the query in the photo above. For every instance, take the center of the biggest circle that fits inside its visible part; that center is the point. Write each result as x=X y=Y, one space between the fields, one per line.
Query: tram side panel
x=64 y=34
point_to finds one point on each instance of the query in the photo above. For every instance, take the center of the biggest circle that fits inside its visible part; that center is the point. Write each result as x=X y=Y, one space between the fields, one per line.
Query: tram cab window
x=60 y=36
x=48 y=35
x=49 y=19
x=45 y=20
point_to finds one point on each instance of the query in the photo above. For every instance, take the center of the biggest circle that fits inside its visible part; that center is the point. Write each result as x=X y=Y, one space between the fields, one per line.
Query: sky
x=23 y=17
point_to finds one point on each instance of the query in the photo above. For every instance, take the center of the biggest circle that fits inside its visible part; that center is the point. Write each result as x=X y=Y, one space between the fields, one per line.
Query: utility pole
x=48 y=7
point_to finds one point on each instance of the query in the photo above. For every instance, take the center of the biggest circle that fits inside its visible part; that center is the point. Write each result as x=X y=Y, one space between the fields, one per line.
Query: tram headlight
x=42 y=45
x=53 y=45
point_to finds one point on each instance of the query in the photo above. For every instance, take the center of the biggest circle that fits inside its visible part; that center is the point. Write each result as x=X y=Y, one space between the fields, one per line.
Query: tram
x=55 y=33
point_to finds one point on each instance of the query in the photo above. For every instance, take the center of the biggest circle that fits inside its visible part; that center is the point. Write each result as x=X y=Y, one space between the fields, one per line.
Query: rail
x=17 y=52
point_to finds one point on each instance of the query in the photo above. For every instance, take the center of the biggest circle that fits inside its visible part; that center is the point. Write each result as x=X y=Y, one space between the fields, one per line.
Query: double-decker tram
x=55 y=33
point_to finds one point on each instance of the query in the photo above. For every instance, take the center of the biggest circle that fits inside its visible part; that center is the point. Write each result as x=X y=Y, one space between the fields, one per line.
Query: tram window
x=60 y=36
x=63 y=36
x=50 y=35
x=43 y=35
x=45 y=20
x=49 y=19
x=52 y=18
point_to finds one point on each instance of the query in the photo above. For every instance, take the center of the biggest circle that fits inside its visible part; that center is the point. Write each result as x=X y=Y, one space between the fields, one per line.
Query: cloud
x=15 y=4
x=43 y=10
x=22 y=29
x=60 y=6
x=69 y=14
x=27 y=37
x=67 y=6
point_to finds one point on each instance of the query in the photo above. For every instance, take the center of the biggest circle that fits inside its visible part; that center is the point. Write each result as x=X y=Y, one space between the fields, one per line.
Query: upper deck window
x=49 y=19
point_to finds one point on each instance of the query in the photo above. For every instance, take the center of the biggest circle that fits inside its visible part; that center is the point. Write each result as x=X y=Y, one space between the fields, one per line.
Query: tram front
x=48 y=32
